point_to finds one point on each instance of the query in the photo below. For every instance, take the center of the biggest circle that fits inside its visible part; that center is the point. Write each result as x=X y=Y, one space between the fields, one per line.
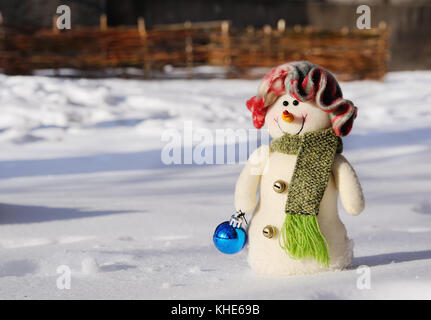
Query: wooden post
x=281 y=42
x=189 y=48
x=103 y=26
x=267 y=31
x=344 y=31
x=103 y=22
x=382 y=49
x=141 y=27
x=145 y=52
x=382 y=25
x=250 y=30
x=226 y=44
x=54 y=24
x=55 y=30
x=2 y=32
x=225 y=28
x=251 y=45
x=281 y=26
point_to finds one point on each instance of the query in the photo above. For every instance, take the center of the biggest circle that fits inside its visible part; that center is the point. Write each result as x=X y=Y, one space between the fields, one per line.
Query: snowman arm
x=248 y=181
x=348 y=185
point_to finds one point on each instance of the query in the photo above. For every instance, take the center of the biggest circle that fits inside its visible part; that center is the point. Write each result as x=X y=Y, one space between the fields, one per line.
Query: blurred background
x=86 y=113
x=155 y=37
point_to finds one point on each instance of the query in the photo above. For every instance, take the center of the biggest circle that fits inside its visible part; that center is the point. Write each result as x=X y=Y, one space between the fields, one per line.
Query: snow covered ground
x=82 y=184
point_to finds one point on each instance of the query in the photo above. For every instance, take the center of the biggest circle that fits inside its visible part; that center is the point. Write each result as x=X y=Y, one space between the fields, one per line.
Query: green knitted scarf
x=300 y=235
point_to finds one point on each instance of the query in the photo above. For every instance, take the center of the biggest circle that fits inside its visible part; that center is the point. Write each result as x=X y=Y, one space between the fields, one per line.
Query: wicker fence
x=358 y=54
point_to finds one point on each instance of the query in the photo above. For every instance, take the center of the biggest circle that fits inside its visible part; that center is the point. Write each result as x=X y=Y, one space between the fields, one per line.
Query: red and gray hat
x=306 y=82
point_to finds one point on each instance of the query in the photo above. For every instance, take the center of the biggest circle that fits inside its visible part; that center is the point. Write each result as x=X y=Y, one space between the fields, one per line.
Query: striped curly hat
x=306 y=82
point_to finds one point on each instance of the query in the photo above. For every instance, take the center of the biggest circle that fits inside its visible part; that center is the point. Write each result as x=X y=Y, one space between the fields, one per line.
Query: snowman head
x=289 y=115
x=300 y=97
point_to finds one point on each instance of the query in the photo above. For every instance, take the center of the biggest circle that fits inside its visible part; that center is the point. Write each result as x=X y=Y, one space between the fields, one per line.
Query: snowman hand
x=245 y=203
x=348 y=185
x=249 y=179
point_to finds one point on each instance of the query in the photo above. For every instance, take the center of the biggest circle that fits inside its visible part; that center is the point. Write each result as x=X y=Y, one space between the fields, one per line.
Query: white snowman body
x=265 y=167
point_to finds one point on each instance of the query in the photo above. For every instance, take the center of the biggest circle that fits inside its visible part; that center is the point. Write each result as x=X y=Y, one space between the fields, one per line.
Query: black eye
x=285 y=103
x=295 y=102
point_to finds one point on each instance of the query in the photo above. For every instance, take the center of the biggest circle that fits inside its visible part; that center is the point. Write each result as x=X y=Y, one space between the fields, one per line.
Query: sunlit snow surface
x=82 y=185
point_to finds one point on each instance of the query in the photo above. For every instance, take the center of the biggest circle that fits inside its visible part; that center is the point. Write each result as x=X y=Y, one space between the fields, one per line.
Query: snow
x=82 y=185
x=89 y=266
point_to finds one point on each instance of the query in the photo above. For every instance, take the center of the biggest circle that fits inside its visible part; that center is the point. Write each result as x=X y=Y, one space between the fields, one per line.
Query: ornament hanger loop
x=236 y=221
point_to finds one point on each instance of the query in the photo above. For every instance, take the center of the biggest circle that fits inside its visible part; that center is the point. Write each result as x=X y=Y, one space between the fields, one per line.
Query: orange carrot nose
x=287 y=116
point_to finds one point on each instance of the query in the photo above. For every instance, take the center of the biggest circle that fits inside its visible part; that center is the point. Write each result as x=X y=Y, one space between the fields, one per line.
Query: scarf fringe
x=301 y=238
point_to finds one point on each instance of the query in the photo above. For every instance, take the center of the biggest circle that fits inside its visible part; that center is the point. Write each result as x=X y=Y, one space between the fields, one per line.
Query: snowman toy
x=295 y=227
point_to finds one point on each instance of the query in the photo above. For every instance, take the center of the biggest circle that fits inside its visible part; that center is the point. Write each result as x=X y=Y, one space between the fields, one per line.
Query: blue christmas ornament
x=229 y=237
